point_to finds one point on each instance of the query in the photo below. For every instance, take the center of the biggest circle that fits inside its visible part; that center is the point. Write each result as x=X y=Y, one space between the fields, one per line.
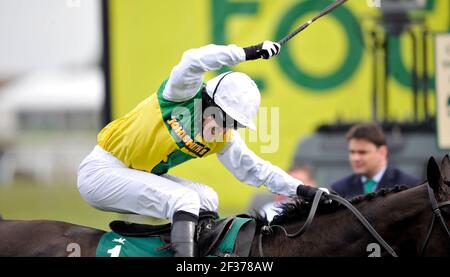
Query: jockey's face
x=212 y=131
x=366 y=158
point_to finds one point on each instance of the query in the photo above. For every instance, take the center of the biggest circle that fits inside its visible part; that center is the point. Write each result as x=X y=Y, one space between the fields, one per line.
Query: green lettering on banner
x=221 y=10
x=321 y=83
x=430 y=5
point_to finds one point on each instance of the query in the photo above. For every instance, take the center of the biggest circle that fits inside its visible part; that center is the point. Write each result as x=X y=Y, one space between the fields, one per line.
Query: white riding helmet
x=237 y=95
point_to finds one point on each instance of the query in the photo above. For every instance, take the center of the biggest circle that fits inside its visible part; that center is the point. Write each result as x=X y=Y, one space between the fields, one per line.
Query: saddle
x=131 y=229
x=209 y=238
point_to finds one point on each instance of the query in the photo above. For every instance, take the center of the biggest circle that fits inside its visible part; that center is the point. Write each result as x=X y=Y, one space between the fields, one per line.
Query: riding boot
x=182 y=235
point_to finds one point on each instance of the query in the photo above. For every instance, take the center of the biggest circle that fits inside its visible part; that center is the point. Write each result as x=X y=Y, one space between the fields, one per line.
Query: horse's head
x=439 y=179
x=437 y=241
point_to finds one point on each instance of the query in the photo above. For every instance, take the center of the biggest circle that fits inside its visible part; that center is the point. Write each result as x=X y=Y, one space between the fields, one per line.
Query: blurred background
x=68 y=67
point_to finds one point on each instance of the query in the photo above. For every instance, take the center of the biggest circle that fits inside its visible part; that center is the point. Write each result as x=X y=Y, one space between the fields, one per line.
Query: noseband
x=436 y=207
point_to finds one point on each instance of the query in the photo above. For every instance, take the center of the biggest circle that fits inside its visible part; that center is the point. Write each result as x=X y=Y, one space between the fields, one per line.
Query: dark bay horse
x=403 y=217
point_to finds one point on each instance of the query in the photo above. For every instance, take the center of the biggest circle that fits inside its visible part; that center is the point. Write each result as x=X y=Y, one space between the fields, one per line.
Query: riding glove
x=265 y=50
x=307 y=193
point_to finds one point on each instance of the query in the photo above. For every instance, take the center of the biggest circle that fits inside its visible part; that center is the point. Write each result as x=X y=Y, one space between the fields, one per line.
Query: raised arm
x=187 y=76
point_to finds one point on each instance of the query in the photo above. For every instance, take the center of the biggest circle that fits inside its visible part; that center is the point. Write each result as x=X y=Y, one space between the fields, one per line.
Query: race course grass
x=61 y=202
x=56 y=202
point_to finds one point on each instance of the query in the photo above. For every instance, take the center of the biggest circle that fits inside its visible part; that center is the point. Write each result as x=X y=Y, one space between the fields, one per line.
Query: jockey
x=185 y=119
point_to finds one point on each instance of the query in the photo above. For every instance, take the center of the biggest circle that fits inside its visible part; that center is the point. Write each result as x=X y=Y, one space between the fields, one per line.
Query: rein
x=267 y=230
x=435 y=206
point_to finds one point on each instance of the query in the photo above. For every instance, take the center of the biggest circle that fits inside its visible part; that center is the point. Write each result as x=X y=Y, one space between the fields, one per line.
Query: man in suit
x=368 y=156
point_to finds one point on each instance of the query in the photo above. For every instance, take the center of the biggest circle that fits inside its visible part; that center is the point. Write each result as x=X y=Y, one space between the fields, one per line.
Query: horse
x=404 y=217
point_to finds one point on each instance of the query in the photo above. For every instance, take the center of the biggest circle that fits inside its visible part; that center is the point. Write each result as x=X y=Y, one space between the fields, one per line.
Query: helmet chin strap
x=218 y=83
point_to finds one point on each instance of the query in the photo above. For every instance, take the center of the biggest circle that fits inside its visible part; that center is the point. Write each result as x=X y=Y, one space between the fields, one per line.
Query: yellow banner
x=322 y=74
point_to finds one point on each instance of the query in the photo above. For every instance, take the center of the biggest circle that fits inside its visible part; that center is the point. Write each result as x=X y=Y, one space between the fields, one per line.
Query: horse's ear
x=433 y=174
x=445 y=169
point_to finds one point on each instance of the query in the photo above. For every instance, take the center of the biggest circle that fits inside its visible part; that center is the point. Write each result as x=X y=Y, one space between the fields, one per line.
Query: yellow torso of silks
x=159 y=134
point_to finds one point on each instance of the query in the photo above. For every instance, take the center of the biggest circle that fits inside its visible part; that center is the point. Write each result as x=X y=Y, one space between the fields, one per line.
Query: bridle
x=267 y=230
x=436 y=207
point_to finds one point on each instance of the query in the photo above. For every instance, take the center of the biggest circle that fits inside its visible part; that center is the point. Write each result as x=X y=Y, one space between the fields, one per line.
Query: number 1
x=115 y=251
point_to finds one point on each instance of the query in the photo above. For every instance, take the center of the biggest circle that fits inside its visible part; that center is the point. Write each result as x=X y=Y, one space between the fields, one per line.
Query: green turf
x=61 y=202
x=56 y=202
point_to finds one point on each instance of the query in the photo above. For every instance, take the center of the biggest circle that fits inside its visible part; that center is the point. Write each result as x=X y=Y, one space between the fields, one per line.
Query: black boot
x=182 y=236
x=206 y=220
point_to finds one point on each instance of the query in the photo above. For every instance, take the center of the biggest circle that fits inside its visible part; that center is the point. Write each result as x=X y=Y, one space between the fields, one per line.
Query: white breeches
x=107 y=184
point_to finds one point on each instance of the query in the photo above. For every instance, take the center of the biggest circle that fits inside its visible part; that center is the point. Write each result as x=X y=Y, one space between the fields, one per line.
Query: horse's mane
x=299 y=209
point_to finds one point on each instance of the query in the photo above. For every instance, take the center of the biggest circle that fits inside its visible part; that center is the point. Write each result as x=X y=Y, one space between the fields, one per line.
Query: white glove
x=327 y=191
